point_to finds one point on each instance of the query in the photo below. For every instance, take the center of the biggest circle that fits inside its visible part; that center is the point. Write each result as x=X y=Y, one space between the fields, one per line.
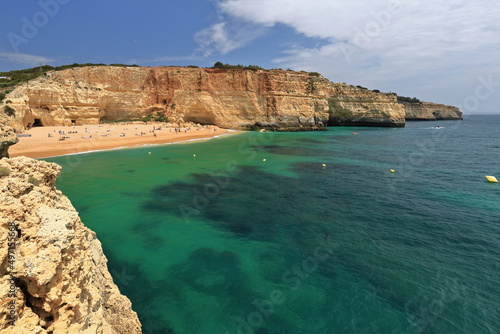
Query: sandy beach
x=44 y=142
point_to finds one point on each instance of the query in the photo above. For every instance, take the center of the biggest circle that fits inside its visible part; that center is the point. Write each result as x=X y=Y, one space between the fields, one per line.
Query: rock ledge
x=53 y=273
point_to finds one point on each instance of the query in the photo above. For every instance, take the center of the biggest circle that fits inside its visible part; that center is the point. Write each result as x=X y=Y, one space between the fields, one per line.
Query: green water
x=225 y=242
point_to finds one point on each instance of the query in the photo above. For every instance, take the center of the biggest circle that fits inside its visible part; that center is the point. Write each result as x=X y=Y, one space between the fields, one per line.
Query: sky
x=444 y=51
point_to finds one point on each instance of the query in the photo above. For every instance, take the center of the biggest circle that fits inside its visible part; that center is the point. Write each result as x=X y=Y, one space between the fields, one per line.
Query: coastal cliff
x=354 y=106
x=427 y=111
x=54 y=277
x=229 y=98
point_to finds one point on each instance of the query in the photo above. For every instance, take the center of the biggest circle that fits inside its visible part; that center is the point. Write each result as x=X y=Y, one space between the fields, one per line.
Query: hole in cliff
x=37 y=122
x=47 y=321
x=164 y=102
x=73 y=122
x=34 y=303
x=200 y=117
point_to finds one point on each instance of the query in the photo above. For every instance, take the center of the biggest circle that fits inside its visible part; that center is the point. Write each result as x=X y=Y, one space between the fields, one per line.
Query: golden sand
x=52 y=141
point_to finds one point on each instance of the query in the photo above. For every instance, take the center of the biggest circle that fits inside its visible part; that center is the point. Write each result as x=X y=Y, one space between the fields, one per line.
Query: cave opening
x=37 y=122
x=202 y=117
x=73 y=122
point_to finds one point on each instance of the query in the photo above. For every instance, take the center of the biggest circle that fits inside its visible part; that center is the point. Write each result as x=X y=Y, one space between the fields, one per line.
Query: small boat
x=491 y=178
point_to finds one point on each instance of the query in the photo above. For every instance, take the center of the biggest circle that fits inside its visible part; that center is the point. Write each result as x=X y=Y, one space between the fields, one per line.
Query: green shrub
x=4 y=171
x=155 y=117
x=253 y=68
x=239 y=66
x=9 y=111
x=160 y=117
x=408 y=99
x=34 y=181
x=314 y=74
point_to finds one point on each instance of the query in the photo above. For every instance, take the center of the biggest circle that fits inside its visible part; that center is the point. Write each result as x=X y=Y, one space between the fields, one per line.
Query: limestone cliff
x=7 y=137
x=230 y=98
x=427 y=111
x=353 y=106
x=53 y=273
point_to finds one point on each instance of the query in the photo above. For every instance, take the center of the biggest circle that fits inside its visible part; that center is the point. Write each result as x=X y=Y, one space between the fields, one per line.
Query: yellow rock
x=57 y=259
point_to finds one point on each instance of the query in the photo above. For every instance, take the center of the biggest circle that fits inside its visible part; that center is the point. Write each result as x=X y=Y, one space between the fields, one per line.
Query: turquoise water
x=225 y=242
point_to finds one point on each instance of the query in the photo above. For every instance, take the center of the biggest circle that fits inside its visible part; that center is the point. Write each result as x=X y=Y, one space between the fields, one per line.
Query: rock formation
x=7 y=139
x=229 y=98
x=354 y=106
x=427 y=111
x=53 y=273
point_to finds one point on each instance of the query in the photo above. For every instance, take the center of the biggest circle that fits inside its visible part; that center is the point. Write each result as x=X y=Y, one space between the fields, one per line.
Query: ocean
x=305 y=232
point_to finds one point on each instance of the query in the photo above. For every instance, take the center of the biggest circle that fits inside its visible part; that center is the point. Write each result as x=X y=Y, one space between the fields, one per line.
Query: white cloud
x=380 y=42
x=216 y=38
x=26 y=59
x=227 y=35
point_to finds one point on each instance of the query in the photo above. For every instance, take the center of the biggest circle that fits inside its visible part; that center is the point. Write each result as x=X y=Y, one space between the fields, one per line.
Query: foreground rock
x=427 y=111
x=229 y=98
x=54 y=277
x=7 y=138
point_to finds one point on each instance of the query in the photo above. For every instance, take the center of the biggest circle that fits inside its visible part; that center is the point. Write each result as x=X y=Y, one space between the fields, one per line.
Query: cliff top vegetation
x=408 y=99
x=12 y=78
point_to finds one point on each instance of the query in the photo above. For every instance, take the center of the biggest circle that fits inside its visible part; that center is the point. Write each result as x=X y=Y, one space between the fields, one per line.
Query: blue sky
x=437 y=50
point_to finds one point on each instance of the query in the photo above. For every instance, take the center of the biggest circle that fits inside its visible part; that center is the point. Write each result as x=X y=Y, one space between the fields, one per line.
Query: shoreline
x=54 y=141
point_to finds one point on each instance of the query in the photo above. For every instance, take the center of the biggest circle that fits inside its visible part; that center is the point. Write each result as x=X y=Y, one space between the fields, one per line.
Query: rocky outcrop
x=427 y=111
x=53 y=273
x=229 y=98
x=354 y=106
x=7 y=138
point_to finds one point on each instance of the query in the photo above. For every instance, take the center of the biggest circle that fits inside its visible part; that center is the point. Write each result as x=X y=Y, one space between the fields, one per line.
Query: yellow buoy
x=194 y=155
x=324 y=165
x=263 y=159
x=392 y=171
x=149 y=152
x=491 y=178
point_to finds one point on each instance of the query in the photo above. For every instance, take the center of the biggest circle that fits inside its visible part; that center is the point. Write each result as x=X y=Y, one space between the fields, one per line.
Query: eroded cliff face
x=239 y=99
x=353 y=106
x=53 y=273
x=229 y=98
x=7 y=137
x=427 y=111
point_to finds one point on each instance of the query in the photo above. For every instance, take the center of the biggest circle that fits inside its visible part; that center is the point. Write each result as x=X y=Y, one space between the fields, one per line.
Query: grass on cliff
x=408 y=99
x=13 y=78
x=4 y=171
x=18 y=76
x=9 y=111
x=34 y=181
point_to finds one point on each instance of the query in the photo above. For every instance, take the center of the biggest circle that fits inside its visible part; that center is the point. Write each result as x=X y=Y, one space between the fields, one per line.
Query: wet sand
x=86 y=138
